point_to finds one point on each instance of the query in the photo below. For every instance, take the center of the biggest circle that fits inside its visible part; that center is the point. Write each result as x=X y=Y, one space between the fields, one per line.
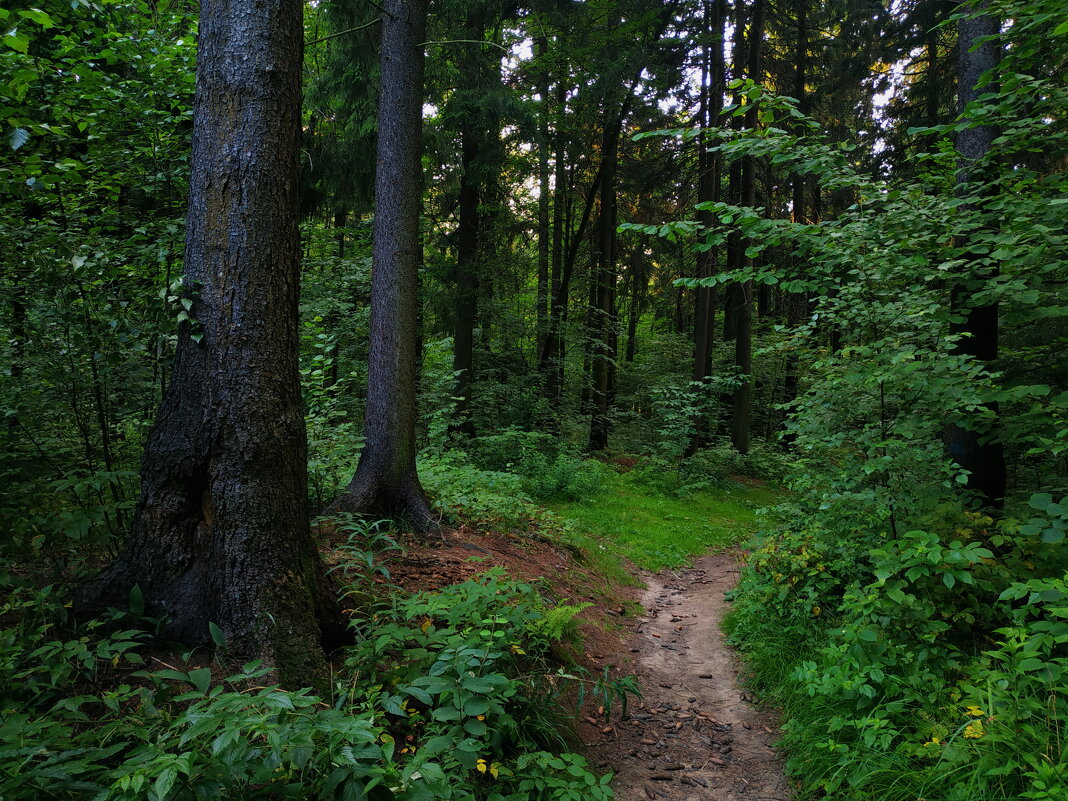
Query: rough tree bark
x=386 y=482
x=221 y=531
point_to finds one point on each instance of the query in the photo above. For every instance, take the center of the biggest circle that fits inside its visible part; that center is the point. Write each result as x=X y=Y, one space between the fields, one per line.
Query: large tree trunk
x=978 y=452
x=221 y=532
x=386 y=482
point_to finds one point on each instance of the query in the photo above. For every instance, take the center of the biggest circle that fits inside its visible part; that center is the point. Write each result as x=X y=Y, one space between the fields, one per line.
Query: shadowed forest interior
x=361 y=361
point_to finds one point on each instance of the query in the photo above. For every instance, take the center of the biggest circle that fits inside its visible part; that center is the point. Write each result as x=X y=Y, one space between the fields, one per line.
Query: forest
x=388 y=384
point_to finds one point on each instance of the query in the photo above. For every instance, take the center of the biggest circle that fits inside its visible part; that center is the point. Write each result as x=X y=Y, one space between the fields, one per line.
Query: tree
x=386 y=482
x=743 y=340
x=221 y=531
x=973 y=445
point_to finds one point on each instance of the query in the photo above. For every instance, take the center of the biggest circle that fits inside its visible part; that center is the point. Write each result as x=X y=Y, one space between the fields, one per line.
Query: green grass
x=657 y=531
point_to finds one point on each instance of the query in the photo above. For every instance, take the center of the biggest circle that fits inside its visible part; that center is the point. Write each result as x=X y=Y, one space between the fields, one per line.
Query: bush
x=448 y=695
x=916 y=665
x=567 y=477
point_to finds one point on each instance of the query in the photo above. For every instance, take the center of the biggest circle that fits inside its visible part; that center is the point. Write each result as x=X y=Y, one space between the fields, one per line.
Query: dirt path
x=694 y=736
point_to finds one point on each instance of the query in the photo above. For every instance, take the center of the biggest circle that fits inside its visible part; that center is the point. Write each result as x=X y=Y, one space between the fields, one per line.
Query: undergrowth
x=449 y=695
x=930 y=665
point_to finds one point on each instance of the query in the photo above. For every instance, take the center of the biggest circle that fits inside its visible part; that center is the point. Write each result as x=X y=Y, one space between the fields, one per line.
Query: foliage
x=445 y=696
x=658 y=529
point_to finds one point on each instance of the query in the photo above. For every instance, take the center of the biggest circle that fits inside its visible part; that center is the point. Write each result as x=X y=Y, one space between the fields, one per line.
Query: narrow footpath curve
x=694 y=736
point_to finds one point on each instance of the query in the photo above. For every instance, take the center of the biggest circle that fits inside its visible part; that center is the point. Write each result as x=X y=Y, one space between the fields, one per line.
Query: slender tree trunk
x=551 y=357
x=603 y=278
x=797 y=302
x=467 y=247
x=386 y=482
x=638 y=291
x=708 y=189
x=544 y=234
x=743 y=342
x=977 y=451
x=341 y=219
x=221 y=532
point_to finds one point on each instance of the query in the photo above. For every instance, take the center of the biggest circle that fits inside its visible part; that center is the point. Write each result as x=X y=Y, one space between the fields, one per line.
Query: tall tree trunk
x=743 y=341
x=708 y=189
x=467 y=235
x=221 y=532
x=551 y=357
x=603 y=277
x=544 y=234
x=977 y=451
x=797 y=302
x=386 y=482
x=638 y=290
x=341 y=219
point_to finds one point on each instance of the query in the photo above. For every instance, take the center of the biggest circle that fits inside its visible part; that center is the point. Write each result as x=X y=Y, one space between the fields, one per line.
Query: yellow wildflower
x=933 y=741
x=815 y=611
x=480 y=766
x=975 y=711
x=974 y=730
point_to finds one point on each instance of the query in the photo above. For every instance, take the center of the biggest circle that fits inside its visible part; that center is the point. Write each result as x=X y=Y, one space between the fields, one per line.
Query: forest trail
x=694 y=736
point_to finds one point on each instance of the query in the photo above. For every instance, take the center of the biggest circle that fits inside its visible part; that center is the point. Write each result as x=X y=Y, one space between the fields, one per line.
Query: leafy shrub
x=448 y=695
x=567 y=477
x=461 y=491
x=916 y=665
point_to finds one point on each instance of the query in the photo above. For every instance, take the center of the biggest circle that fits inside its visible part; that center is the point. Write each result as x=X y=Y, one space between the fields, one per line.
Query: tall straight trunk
x=341 y=219
x=639 y=286
x=551 y=356
x=743 y=341
x=221 y=531
x=545 y=245
x=797 y=302
x=732 y=299
x=977 y=451
x=708 y=189
x=386 y=482
x=467 y=235
x=602 y=339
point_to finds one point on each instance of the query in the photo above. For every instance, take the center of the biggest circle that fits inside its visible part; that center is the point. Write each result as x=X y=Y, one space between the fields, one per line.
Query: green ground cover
x=657 y=530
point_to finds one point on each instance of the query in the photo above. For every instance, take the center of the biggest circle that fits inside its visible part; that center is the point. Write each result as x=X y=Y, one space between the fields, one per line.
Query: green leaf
x=476 y=706
x=165 y=782
x=895 y=595
x=201 y=679
x=217 y=635
x=949 y=580
x=870 y=635
x=475 y=727
x=137 y=600
x=1040 y=500
x=17 y=41
x=38 y=16
x=1052 y=535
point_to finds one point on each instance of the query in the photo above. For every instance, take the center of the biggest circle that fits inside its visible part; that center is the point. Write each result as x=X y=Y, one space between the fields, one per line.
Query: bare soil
x=694 y=736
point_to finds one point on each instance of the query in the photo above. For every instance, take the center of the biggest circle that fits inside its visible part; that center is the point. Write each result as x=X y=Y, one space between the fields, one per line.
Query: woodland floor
x=694 y=735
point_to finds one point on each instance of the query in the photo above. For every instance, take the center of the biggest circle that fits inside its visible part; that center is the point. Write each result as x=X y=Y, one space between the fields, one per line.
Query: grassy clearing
x=655 y=530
